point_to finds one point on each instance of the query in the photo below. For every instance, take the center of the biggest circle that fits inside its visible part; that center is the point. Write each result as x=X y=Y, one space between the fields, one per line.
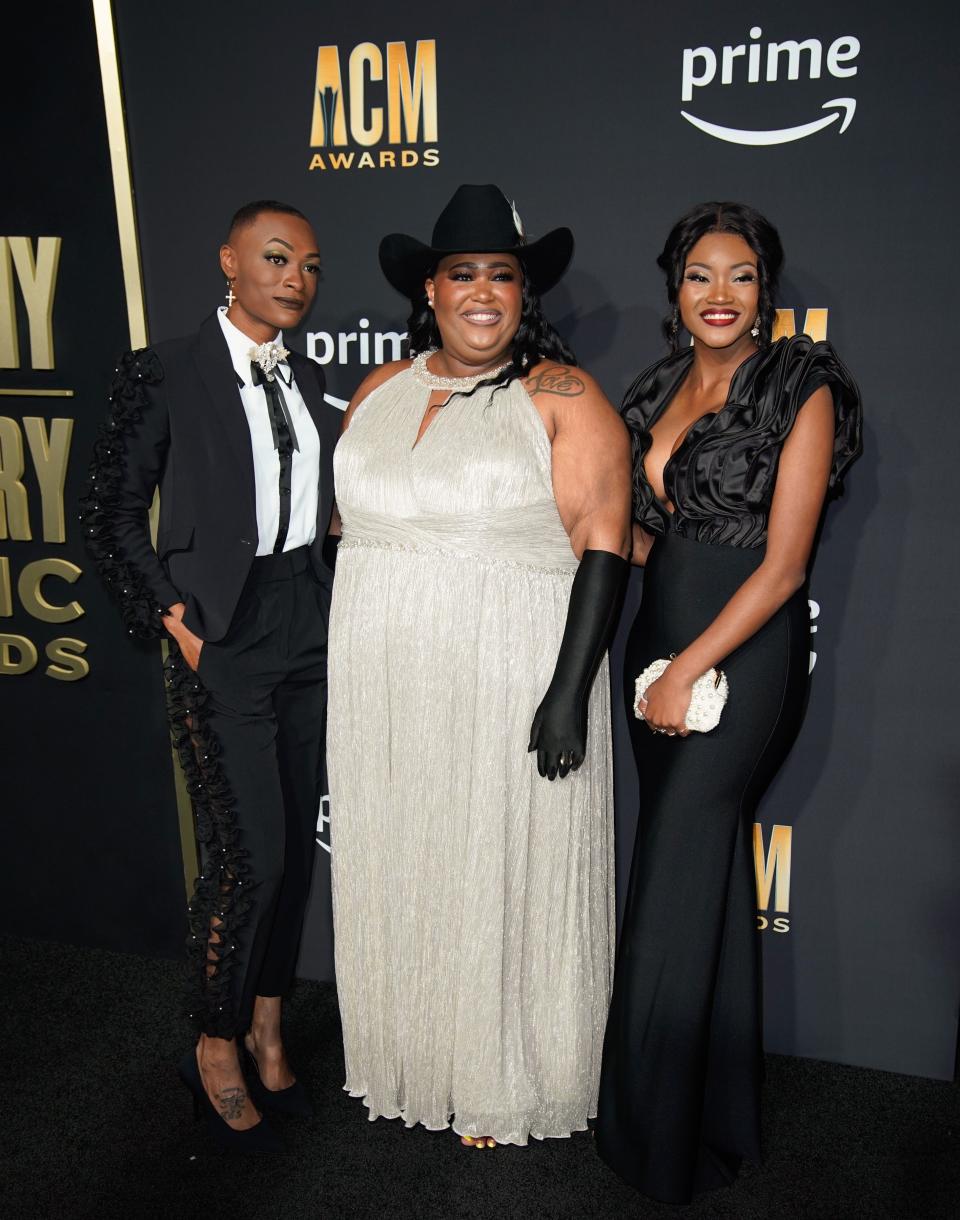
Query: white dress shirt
x=266 y=460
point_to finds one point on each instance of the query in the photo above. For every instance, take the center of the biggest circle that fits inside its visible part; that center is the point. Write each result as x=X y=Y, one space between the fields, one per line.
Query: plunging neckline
x=707 y=415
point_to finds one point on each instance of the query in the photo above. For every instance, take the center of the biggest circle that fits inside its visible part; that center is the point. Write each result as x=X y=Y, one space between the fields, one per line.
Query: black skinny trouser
x=263 y=716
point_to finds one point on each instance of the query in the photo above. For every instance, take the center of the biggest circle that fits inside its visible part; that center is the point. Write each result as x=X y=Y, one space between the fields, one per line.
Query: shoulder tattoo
x=562 y=381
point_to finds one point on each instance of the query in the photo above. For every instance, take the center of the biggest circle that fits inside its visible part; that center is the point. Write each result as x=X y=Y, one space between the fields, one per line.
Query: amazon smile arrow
x=842 y=106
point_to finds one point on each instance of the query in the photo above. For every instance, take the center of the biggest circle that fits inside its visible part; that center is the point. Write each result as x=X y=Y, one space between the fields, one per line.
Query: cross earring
x=231 y=295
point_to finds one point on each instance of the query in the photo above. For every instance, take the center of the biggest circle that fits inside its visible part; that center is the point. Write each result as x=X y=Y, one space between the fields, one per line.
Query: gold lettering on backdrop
x=48 y=442
x=411 y=96
x=14 y=514
x=37 y=276
x=815 y=324
x=365 y=56
x=29 y=587
x=32 y=266
x=6 y=590
x=9 y=342
x=50 y=455
x=17 y=654
x=329 y=125
x=772 y=867
x=66 y=663
x=387 y=159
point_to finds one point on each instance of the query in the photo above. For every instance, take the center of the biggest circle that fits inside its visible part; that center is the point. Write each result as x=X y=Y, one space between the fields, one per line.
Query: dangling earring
x=755 y=329
x=675 y=325
x=231 y=295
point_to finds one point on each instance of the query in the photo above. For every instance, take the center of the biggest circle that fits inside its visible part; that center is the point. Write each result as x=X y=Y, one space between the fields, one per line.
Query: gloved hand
x=559 y=729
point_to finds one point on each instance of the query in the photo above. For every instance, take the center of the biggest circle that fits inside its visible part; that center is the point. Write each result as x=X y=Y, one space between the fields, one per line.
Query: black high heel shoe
x=261 y=1138
x=293 y=1100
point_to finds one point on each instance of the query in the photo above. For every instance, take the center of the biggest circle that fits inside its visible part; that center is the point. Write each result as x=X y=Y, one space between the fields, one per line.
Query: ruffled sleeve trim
x=787 y=374
x=139 y=604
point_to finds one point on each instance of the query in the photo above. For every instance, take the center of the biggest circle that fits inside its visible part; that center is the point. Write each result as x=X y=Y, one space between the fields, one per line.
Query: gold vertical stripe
x=37 y=393
x=120 y=164
x=137 y=323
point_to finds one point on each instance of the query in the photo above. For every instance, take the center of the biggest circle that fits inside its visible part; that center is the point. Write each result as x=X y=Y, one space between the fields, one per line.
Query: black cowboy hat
x=480 y=219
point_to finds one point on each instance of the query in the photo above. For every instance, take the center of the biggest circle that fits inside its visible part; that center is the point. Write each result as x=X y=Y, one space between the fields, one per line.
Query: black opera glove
x=559 y=729
x=329 y=551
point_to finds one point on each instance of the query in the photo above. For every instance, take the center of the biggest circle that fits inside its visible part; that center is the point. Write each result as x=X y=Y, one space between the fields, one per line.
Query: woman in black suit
x=235 y=433
x=737 y=441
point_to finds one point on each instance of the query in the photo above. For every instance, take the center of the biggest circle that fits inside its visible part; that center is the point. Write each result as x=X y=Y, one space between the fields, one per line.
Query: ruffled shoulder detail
x=128 y=398
x=782 y=378
x=641 y=402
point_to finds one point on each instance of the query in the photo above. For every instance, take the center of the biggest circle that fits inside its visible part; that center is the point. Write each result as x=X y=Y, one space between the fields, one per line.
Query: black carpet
x=95 y=1123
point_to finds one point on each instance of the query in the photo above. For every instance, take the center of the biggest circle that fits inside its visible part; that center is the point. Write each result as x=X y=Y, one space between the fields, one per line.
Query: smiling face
x=273 y=265
x=477 y=300
x=719 y=295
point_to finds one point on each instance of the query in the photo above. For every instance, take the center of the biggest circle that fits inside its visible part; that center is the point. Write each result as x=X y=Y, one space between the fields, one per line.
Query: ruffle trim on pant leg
x=128 y=398
x=223 y=891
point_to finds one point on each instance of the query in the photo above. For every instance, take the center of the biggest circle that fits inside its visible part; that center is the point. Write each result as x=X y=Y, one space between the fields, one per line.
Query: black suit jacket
x=177 y=422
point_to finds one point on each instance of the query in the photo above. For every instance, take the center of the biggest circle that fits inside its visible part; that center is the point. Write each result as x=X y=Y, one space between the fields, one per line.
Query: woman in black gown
x=736 y=442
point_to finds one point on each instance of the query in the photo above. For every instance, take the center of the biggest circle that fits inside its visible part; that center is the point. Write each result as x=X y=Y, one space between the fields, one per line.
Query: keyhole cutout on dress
x=435 y=403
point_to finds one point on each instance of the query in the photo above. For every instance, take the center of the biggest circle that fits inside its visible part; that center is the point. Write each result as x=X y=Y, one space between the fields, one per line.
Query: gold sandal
x=482 y=1141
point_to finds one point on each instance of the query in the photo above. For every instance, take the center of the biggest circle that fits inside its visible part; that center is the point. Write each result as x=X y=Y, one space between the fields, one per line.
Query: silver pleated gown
x=473 y=900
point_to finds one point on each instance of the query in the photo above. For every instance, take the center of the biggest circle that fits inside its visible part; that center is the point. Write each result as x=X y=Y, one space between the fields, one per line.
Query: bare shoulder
x=373 y=380
x=569 y=400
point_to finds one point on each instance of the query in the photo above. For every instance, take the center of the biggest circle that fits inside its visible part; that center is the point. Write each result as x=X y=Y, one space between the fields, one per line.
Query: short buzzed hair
x=251 y=211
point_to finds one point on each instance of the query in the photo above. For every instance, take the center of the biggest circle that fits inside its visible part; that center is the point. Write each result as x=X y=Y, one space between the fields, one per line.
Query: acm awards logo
x=753 y=63
x=371 y=106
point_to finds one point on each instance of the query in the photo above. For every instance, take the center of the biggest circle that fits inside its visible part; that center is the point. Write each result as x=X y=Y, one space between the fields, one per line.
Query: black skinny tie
x=284 y=441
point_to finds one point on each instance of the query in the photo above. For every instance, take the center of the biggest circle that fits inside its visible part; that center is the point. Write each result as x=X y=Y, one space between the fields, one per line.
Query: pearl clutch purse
x=710 y=692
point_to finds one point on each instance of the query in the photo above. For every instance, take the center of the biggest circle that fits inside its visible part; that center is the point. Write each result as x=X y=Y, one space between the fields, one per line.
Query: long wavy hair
x=535 y=339
x=746 y=222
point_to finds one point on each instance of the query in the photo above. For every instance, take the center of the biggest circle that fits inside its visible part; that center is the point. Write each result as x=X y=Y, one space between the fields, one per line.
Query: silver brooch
x=268 y=356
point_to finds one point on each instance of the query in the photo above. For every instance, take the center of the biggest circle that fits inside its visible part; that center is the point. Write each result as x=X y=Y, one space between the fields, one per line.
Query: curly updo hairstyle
x=759 y=234
x=535 y=339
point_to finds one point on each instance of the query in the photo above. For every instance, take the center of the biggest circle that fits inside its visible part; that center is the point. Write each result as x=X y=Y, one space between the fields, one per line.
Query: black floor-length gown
x=680 y=1086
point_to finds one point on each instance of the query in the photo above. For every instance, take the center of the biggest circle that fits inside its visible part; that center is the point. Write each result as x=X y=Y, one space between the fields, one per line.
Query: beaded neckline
x=433 y=381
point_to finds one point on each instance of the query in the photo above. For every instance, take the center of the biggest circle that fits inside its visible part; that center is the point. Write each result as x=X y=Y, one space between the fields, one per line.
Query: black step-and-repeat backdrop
x=831 y=118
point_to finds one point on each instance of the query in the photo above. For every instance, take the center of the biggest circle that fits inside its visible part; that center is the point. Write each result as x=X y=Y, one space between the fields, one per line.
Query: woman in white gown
x=484 y=493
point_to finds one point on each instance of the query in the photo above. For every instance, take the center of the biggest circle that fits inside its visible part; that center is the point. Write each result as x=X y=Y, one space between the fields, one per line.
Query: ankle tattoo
x=231 y=1102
